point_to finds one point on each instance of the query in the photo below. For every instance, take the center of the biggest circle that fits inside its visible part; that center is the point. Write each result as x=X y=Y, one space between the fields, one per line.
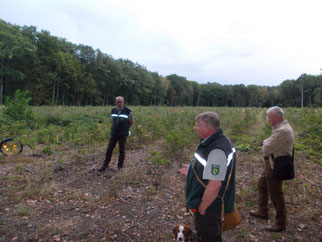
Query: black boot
x=103 y=168
x=120 y=162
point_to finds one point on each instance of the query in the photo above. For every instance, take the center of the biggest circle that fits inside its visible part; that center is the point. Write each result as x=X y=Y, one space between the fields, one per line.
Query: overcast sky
x=262 y=42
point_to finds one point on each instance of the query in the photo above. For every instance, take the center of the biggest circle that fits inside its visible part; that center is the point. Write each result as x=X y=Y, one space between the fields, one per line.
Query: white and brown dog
x=182 y=232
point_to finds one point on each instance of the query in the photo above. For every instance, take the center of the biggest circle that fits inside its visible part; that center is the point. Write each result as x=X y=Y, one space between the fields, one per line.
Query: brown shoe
x=258 y=214
x=275 y=228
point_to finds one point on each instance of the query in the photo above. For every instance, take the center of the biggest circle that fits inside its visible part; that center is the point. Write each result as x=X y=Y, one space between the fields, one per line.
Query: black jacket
x=120 y=122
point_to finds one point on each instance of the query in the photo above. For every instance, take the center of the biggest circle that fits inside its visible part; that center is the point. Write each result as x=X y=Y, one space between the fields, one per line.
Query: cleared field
x=52 y=192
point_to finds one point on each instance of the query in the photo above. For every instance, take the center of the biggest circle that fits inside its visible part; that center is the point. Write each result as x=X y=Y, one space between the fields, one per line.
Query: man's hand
x=184 y=169
x=209 y=196
x=202 y=209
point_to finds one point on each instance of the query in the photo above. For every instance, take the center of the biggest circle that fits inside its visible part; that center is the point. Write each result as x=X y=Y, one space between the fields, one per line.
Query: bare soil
x=63 y=198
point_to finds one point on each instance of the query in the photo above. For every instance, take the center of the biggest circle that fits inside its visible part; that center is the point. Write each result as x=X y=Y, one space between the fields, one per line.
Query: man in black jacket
x=122 y=120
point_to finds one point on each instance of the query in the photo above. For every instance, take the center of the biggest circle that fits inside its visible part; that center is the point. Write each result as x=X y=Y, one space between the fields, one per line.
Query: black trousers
x=110 y=147
x=208 y=227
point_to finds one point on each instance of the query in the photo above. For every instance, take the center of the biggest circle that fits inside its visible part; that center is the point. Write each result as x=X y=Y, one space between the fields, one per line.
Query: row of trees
x=57 y=72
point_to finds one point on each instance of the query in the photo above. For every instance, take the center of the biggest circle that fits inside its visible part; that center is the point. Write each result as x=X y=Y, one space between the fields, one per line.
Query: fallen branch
x=127 y=229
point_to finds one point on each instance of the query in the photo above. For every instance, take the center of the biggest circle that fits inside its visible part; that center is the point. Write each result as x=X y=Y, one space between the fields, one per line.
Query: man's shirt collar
x=279 y=124
x=120 y=110
x=219 y=133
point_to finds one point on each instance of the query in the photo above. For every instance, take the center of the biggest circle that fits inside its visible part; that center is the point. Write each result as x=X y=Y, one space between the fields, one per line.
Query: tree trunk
x=79 y=97
x=57 y=93
x=1 y=85
x=198 y=99
x=302 y=94
x=53 y=96
x=104 y=98
x=63 y=98
x=1 y=90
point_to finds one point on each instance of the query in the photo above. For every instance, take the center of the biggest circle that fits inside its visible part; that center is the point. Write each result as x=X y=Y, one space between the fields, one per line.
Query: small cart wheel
x=10 y=147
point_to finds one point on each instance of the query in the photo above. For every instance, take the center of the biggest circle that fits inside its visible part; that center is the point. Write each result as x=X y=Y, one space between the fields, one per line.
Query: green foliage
x=56 y=120
x=243 y=147
x=244 y=234
x=176 y=140
x=238 y=129
x=84 y=133
x=156 y=158
x=24 y=211
x=17 y=108
x=16 y=53
x=308 y=124
x=47 y=150
x=58 y=72
x=170 y=127
x=48 y=135
x=17 y=118
x=16 y=129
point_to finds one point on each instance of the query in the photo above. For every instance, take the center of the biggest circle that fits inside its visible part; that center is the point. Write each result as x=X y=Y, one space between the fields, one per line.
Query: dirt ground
x=45 y=199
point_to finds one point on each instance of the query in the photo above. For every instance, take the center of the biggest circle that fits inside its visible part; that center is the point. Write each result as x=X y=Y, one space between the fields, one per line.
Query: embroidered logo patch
x=215 y=169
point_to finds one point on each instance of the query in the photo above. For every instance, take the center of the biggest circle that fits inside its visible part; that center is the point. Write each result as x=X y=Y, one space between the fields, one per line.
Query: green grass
x=90 y=127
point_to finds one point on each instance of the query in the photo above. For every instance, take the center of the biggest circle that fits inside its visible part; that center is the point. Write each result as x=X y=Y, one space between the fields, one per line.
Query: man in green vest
x=122 y=120
x=208 y=175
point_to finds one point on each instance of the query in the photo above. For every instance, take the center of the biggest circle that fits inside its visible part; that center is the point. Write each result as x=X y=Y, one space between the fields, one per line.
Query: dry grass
x=140 y=203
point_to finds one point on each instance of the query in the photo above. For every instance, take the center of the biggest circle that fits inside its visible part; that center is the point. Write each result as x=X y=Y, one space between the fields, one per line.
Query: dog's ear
x=175 y=231
x=188 y=231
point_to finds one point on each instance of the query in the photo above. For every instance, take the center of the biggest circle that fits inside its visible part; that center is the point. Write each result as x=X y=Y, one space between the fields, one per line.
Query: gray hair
x=120 y=97
x=276 y=110
x=209 y=118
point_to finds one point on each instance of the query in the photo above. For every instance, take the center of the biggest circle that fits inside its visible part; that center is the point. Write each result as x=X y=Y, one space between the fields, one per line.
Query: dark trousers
x=268 y=185
x=110 y=147
x=208 y=227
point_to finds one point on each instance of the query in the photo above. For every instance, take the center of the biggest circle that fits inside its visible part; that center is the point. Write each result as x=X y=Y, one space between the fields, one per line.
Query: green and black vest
x=195 y=191
x=120 y=122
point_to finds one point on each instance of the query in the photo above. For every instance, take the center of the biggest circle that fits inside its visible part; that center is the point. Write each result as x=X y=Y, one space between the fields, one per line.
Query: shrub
x=156 y=158
x=17 y=108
